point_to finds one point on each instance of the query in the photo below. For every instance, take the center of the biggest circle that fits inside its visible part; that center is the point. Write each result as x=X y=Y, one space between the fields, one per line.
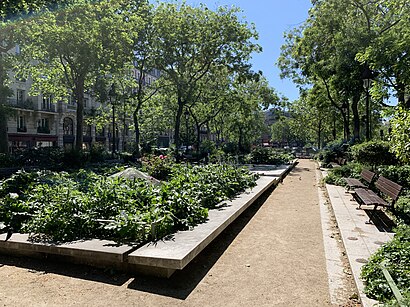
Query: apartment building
x=39 y=121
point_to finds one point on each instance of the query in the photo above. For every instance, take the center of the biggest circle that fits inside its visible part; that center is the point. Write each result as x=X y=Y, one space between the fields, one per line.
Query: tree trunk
x=137 y=152
x=356 y=117
x=178 y=126
x=319 y=135
x=4 y=142
x=198 y=136
x=240 y=141
x=79 y=94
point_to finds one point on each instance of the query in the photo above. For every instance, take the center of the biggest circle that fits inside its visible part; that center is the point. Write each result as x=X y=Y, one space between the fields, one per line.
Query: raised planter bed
x=161 y=258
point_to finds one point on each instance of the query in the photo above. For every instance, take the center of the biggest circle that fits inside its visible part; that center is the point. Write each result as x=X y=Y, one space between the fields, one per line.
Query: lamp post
x=367 y=81
x=186 y=113
x=111 y=95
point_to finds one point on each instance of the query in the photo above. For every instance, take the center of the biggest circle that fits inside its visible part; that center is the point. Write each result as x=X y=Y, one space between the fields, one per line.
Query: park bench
x=385 y=187
x=366 y=176
x=341 y=161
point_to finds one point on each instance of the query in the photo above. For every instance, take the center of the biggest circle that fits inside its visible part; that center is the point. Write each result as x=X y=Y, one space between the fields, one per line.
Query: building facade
x=39 y=121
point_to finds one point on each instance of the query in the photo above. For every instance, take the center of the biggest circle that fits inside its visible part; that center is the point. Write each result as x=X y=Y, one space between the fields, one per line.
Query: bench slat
x=366 y=175
x=388 y=187
x=370 y=198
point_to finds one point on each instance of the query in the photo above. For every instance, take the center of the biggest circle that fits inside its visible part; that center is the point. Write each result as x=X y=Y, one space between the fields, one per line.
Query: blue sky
x=271 y=18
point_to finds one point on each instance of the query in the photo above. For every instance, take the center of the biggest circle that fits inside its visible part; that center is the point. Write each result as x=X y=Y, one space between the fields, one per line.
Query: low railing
x=392 y=284
x=21 y=104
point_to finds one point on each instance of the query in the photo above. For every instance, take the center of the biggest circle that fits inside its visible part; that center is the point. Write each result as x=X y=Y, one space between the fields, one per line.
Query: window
x=71 y=100
x=68 y=126
x=20 y=96
x=46 y=103
x=18 y=50
x=44 y=122
x=43 y=126
x=86 y=103
x=21 y=124
x=87 y=130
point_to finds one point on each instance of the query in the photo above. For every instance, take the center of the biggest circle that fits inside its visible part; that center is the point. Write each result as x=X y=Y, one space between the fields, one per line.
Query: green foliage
x=207 y=147
x=263 y=155
x=373 y=153
x=230 y=148
x=332 y=150
x=65 y=207
x=402 y=209
x=396 y=253
x=398 y=174
x=336 y=175
x=159 y=167
x=6 y=160
x=400 y=137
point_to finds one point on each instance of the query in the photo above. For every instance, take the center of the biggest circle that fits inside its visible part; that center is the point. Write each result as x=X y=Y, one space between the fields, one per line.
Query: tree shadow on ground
x=183 y=282
x=48 y=266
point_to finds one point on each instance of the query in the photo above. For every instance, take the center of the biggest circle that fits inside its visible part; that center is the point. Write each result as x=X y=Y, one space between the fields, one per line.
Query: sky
x=271 y=18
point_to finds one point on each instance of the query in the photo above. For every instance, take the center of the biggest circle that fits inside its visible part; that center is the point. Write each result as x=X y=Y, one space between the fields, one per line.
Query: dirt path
x=272 y=255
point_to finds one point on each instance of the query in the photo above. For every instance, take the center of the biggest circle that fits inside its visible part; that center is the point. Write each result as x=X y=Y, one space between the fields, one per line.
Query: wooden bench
x=353 y=183
x=341 y=161
x=385 y=187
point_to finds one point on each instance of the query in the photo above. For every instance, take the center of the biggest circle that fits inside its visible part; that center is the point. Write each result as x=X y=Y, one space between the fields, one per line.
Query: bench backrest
x=388 y=187
x=367 y=175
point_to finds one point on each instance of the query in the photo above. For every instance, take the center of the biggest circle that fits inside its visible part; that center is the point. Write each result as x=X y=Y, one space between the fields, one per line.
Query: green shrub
x=158 y=167
x=263 y=155
x=7 y=160
x=396 y=253
x=65 y=207
x=403 y=209
x=207 y=147
x=335 y=176
x=398 y=174
x=230 y=148
x=373 y=153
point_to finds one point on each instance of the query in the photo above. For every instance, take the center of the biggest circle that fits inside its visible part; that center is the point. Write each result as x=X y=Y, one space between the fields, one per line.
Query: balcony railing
x=43 y=130
x=22 y=129
x=21 y=104
x=50 y=108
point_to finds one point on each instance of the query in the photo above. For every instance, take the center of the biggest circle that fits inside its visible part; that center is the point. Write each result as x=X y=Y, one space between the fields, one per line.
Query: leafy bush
x=373 y=153
x=400 y=137
x=207 y=147
x=65 y=207
x=6 y=160
x=398 y=174
x=336 y=175
x=332 y=151
x=396 y=253
x=403 y=209
x=158 y=167
x=230 y=148
x=263 y=155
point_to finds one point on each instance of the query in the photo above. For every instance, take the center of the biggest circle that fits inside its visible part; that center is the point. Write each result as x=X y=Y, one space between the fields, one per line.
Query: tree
x=191 y=40
x=389 y=53
x=10 y=12
x=323 y=52
x=66 y=51
x=243 y=118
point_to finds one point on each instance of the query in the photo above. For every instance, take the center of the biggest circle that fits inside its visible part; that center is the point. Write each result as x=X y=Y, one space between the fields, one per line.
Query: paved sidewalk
x=360 y=239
